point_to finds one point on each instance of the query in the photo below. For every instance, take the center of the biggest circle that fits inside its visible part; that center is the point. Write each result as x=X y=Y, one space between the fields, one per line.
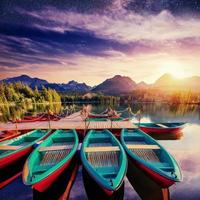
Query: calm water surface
x=184 y=147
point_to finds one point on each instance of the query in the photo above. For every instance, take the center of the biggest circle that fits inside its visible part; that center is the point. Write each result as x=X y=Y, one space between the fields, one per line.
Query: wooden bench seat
x=9 y=147
x=142 y=146
x=55 y=148
x=161 y=125
x=101 y=149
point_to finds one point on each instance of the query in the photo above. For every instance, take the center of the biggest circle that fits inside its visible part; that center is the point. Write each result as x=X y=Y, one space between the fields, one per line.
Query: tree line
x=19 y=92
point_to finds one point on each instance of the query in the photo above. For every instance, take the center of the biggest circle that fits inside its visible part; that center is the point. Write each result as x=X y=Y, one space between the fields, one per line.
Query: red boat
x=161 y=128
x=92 y=115
x=13 y=150
x=43 y=117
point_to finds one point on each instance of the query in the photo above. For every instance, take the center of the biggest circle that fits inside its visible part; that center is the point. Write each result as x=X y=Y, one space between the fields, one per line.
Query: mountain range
x=114 y=86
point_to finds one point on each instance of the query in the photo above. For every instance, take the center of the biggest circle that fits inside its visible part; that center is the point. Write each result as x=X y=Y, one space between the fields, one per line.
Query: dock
x=74 y=121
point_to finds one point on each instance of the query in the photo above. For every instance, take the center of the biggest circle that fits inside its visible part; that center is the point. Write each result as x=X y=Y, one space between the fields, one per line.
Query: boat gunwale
x=55 y=167
x=93 y=173
x=142 y=125
x=7 y=142
x=151 y=166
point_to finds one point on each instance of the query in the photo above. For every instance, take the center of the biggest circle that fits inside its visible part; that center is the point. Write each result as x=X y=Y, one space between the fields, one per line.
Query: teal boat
x=15 y=149
x=104 y=165
x=50 y=159
x=149 y=156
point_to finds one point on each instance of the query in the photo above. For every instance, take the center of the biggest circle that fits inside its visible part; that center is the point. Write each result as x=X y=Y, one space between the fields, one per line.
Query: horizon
x=83 y=41
x=165 y=74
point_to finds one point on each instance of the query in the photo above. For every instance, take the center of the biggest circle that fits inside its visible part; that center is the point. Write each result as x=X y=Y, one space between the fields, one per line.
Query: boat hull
x=8 y=160
x=12 y=171
x=162 y=181
x=65 y=183
x=100 y=192
x=44 y=184
x=151 y=130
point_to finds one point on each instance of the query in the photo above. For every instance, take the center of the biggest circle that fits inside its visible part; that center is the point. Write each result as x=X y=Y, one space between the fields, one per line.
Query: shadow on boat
x=168 y=136
x=61 y=188
x=146 y=188
x=11 y=172
x=94 y=192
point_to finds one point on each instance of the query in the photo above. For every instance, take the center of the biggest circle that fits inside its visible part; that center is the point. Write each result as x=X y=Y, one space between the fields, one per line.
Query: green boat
x=50 y=159
x=104 y=165
x=148 y=155
x=15 y=150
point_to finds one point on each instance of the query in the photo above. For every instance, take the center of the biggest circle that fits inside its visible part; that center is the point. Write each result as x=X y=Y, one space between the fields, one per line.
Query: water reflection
x=153 y=112
x=144 y=186
x=168 y=136
x=184 y=147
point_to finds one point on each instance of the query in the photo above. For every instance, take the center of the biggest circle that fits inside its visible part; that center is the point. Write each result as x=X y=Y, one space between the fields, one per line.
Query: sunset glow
x=92 y=43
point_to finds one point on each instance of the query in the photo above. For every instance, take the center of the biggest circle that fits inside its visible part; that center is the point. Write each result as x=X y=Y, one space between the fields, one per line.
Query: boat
x=104 y=165
x=40 y=117
x=13 y=149
x=50 y=159
x=9 y=134
x=150 y=157
x=104 y=116
x=16 y=149
x=161 y=128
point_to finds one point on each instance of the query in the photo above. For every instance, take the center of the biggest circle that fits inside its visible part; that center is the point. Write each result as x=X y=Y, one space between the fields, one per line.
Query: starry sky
x=91 y=40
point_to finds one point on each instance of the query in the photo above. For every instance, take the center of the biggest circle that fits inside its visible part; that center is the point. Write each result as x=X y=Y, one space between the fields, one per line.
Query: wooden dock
x=74 y=121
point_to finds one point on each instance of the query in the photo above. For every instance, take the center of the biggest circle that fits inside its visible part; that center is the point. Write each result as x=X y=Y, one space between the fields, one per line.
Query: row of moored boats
x=105 y=159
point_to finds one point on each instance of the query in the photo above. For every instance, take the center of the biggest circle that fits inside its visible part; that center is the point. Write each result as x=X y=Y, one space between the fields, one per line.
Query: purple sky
x=89 y=41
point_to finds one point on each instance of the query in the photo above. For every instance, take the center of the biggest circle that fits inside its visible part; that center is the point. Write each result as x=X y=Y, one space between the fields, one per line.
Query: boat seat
x=161 y=125
x=101 y=149
x=55 y=148
x=10 y=147
x=142 y=146
x=162 y=165
x=41 y=168
x=105 y=171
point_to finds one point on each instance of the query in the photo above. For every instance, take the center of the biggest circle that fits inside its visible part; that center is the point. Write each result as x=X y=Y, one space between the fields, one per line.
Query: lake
x=185 y=148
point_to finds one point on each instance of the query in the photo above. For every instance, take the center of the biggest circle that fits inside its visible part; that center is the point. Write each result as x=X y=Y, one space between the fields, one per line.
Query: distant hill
x=168 y=82
x=116 y=85
x=32 y=82
x=71 y=86
x=142 y=85
x=113 y=86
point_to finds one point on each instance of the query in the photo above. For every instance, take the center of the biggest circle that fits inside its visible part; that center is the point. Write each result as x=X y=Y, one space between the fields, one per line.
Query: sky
x=90 y=41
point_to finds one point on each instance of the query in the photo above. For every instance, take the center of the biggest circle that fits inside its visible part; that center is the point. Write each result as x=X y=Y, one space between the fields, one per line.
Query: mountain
x=113 y=86
x=142 y=85
x=71 y=86
x=116 y=85
x=32 y=82
x=168 y=82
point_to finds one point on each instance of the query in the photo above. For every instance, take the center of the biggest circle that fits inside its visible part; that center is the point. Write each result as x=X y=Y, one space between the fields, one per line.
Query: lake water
x=185 y=147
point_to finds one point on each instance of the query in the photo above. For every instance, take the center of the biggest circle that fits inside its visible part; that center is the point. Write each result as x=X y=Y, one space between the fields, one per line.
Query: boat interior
x=104 y=155
x=147 y=150
x=55 y=149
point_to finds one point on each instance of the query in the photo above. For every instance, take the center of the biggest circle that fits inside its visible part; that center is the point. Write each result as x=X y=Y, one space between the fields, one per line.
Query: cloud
x=105 y=38
x=122 y=25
